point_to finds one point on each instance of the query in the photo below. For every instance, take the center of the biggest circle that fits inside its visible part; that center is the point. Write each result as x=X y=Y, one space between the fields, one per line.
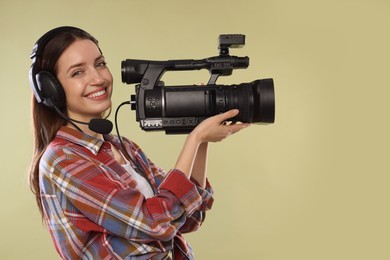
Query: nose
x=97 y=77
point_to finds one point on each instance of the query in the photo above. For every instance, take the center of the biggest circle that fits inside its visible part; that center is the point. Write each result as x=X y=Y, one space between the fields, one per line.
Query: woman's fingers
x=226 y=115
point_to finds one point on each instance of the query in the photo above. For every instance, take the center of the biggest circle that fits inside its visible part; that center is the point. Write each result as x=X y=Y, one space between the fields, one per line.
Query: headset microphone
x=100 y=125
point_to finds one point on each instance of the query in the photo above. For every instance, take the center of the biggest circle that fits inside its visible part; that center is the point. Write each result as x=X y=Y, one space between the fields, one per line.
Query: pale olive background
x=314 y=185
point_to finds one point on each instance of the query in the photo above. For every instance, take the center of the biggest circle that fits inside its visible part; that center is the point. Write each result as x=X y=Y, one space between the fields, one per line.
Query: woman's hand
x=212 y=129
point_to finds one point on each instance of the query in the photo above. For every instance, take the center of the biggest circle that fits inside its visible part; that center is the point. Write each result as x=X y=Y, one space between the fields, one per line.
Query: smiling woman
x=86 y=80
x=100 y=197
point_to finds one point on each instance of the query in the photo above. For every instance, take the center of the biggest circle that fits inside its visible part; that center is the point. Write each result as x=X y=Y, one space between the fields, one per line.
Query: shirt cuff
x=207 y=194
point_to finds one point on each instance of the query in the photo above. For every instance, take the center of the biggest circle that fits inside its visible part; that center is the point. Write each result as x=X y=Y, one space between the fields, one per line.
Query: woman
x=101 y=199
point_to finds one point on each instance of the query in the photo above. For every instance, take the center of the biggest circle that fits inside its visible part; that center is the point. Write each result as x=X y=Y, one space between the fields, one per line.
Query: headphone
x=45 y=86
x=48 y=90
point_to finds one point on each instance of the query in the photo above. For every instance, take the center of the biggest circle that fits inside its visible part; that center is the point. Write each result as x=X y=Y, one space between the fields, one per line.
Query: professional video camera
x=179 y=109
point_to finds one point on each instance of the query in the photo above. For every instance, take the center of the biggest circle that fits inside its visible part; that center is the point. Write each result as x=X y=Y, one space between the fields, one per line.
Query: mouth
x=97 y=94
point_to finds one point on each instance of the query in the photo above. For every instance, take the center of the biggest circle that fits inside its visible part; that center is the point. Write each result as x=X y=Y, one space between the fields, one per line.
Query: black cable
x=117 y=127
x=68 y=119
x=140 y=171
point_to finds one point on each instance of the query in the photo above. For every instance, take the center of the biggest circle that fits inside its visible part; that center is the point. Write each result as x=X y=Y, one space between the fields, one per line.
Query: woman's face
x=87 y=81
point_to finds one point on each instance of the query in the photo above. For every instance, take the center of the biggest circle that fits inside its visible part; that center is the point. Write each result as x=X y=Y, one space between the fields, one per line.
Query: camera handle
x=148 y=73
x=213 y=79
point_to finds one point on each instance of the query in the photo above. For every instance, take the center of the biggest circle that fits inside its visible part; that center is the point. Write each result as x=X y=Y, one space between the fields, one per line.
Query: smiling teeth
x=97 y=94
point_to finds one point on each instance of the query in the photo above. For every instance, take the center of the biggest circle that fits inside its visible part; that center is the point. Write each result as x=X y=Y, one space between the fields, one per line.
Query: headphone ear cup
x=52 y=92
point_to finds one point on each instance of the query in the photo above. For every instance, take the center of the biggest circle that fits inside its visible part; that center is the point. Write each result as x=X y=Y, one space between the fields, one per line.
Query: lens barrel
x=255 y=100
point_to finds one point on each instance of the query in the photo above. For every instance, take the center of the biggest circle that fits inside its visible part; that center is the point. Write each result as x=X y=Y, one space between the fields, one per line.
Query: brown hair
x=46 y=122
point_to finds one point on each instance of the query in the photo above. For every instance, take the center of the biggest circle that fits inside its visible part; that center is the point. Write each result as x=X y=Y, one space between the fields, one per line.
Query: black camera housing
x=179 y=109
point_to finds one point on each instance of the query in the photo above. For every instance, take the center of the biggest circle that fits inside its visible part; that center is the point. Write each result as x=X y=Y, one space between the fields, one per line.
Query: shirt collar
x=91 y=143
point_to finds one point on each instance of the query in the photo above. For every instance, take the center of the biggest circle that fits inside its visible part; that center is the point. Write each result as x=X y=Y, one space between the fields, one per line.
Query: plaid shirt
x=94 y=210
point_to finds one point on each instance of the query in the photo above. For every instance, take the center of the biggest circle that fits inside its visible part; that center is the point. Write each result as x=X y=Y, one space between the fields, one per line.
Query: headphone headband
x=39 y=46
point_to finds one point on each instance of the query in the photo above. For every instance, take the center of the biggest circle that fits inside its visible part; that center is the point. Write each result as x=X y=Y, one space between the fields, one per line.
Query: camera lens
x=264 y=101
x=255 y=100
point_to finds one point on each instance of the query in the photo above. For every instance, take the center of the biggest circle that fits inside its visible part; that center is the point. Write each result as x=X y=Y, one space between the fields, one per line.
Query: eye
x=76 y=73
x=101 y=64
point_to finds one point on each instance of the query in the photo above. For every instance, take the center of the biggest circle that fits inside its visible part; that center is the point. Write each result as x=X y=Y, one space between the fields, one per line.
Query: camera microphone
x=97 y=125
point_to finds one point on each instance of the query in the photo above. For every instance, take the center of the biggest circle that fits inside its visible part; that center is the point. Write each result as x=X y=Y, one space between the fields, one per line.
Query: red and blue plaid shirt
x=94 y=210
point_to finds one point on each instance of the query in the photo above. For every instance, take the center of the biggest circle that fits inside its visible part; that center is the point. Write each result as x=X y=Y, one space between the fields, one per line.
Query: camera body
x=179 y=109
